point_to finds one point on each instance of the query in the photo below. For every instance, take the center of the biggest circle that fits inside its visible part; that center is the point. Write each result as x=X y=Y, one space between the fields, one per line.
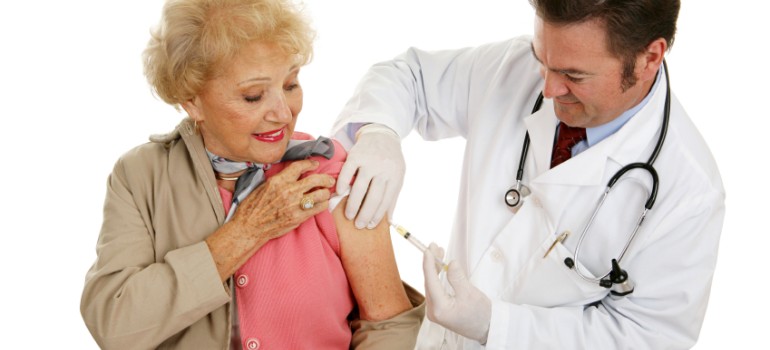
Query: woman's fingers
x=286 y=200
x=311 y=201
x=294 y=170
x=314 y=181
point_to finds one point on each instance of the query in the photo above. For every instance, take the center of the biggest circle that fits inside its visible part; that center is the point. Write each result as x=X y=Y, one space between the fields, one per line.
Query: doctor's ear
x=650 y=60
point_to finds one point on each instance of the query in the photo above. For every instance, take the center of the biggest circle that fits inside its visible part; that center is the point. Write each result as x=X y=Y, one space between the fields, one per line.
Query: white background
x=73 y=99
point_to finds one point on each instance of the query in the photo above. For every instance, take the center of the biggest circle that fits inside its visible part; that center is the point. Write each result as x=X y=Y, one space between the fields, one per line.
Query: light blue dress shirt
x=601 y=132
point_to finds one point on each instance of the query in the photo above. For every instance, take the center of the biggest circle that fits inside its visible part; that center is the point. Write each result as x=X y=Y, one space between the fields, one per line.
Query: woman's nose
x=279 y=111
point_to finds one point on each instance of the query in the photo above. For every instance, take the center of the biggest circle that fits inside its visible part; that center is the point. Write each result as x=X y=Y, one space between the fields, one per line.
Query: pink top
x=293 y=292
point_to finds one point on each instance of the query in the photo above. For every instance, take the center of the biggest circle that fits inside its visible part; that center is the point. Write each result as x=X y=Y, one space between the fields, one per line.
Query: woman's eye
x=252 y=99
x=291 y=86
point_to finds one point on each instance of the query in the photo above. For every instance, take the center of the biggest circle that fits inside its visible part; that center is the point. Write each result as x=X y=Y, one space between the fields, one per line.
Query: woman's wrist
x=231 y=247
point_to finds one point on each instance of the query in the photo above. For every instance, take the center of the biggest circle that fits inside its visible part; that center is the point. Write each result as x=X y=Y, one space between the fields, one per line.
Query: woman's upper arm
x=370 y=265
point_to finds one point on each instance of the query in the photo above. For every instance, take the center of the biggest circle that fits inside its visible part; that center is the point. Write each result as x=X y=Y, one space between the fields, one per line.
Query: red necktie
x=568 y=137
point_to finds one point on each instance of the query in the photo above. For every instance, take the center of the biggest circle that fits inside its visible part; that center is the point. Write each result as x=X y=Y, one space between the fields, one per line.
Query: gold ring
x=306 y=203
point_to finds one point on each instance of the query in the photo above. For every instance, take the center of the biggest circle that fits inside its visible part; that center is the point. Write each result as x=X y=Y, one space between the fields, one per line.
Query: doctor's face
x=581 y=76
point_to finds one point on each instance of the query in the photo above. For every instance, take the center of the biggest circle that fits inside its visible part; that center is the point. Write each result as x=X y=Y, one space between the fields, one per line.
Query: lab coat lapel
x=557 y=188
x=541 y=127
x=584 y=169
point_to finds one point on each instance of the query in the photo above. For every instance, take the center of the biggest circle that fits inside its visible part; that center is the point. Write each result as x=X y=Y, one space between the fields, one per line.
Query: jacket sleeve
x=427 y=91
x=672 y=272
x=132 y=299
x=398 y=332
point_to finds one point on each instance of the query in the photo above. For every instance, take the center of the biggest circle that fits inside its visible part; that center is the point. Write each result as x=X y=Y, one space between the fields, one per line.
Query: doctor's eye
x=573 y=78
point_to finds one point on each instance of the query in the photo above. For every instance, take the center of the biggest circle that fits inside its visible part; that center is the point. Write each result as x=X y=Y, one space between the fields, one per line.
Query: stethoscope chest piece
x=516 y=194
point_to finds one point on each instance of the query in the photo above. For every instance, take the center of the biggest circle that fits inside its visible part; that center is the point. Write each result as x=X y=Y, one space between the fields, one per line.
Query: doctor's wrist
x=374 y=128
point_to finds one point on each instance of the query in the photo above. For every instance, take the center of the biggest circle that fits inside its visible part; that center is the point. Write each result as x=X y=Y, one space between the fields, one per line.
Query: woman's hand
x=273 y=208
x=269 y=212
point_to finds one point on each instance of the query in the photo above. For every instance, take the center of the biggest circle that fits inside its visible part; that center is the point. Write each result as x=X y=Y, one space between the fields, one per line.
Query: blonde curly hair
x=194 y=37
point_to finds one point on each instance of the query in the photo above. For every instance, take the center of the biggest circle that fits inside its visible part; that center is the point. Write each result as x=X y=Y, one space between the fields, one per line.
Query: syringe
x=412 y=239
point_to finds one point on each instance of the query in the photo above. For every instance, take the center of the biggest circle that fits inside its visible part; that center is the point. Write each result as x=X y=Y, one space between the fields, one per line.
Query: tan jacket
x=154 y=283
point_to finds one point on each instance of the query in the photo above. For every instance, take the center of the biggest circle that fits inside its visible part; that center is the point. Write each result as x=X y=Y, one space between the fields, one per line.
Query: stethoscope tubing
x=666 y=117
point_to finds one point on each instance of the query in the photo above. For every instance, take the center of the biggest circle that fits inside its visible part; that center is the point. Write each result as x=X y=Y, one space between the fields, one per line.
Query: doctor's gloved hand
x=378 y=165
x=467 y=311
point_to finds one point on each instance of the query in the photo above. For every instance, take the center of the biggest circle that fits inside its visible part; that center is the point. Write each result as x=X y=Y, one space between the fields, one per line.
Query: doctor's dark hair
x=630 y=25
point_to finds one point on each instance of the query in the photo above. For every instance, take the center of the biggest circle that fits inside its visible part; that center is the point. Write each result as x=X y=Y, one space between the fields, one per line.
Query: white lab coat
x=485 y=95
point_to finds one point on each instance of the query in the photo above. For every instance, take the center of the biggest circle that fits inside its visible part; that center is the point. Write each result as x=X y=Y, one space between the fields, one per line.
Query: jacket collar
x=194 y=143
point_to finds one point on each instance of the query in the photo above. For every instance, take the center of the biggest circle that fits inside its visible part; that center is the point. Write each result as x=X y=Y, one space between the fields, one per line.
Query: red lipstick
x=271 y=136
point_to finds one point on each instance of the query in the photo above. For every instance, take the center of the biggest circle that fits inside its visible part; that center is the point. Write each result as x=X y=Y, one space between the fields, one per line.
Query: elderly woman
x=224 y=234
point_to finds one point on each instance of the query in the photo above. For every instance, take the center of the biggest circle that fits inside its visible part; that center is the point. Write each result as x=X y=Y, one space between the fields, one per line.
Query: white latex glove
x=466 y=311
x=378 y=165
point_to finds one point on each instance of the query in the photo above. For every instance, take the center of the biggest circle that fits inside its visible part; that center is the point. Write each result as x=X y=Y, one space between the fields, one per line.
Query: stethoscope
x=616 y=279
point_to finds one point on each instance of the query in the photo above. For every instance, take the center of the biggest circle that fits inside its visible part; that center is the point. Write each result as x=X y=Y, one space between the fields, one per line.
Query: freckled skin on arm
x=370 y=265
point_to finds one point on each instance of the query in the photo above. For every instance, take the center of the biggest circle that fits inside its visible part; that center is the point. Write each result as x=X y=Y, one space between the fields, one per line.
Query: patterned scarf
x=255 y=173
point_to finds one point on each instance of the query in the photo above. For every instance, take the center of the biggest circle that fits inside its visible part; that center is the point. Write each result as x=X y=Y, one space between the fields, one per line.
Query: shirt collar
x=597 y=134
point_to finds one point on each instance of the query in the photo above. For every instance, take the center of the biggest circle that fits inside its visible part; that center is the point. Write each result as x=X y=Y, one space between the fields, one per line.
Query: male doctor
x=528 y=276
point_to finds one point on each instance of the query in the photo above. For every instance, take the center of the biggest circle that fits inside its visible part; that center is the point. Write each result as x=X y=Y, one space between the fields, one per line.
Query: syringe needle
x=412 y=239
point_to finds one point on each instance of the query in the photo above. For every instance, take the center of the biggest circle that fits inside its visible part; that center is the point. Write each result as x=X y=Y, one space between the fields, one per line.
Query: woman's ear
x=193 y=109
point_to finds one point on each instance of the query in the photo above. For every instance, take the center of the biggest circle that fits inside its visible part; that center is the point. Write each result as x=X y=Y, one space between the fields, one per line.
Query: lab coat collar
x=542 y=130
x=628 y=145
x=635 y=141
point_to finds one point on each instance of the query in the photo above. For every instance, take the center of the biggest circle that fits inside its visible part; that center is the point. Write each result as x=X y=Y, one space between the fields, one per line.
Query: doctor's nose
x=554 y=84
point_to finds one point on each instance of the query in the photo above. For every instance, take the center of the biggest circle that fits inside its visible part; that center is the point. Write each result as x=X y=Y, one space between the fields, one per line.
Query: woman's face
x=247 y=112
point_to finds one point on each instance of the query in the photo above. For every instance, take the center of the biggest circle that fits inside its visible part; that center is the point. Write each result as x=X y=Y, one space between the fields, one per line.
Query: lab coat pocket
x=548 y=282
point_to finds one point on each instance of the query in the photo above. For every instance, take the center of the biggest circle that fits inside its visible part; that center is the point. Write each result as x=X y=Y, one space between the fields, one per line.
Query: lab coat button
x=497 y=255
x=252 y=344
x=242 y=281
